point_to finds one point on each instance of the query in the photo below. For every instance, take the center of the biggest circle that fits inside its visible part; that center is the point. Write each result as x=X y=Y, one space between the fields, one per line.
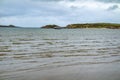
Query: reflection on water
x=27 y=49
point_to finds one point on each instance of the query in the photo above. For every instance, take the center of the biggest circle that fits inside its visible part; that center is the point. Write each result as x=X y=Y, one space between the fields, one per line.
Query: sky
x=37 y=13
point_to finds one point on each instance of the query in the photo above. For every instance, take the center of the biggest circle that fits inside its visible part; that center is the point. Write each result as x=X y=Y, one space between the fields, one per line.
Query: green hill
x=94 y=25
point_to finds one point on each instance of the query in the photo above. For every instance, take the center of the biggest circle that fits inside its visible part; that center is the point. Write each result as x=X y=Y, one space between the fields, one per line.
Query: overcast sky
x=36 y=13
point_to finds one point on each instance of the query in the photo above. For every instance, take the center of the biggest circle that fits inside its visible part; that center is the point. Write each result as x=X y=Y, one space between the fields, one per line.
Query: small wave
x=3 y=54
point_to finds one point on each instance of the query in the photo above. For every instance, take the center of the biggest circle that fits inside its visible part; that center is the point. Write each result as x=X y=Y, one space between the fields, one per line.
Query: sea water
x=24 y=49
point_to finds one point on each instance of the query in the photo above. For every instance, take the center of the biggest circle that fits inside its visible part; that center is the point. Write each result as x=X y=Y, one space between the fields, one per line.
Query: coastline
x=73 y=26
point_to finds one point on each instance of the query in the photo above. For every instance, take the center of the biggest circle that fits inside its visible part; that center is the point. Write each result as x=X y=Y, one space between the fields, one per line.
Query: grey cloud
x=105 y=1
x=52 y=0
x=46 y=0
x=7 y=12
x=73 y=7
x=109 y=1
x=114 y=7
x=31 y=9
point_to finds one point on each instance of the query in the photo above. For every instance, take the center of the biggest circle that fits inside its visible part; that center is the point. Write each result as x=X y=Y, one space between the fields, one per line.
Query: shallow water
x=23 y=49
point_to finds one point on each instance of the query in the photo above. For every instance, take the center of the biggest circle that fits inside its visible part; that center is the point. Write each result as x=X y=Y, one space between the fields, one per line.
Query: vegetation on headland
x=94 y=25
x=87 y=25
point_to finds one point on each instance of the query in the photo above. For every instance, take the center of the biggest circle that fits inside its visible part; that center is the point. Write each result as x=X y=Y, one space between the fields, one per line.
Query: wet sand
x=110 y=71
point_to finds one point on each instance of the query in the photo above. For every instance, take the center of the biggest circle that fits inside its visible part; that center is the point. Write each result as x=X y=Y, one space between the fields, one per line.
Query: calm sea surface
x=23 y=49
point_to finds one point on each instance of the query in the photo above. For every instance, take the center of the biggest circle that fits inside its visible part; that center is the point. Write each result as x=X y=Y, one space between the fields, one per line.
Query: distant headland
x=9 y=26
x=87 y=25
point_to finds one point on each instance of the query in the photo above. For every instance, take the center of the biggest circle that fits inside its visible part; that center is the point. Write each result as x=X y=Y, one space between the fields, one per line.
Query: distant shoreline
x=8 y=26
x=74 y=26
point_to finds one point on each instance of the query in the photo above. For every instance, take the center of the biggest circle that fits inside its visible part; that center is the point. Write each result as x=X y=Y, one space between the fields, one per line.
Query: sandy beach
x=109 y=71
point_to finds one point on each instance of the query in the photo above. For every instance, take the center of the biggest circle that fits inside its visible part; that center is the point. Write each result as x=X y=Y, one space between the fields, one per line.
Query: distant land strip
x=87 y=25
x=8 y=26
x=75 y=26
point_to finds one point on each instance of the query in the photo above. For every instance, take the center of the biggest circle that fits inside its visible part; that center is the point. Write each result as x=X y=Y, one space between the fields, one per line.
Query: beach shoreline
x=76 y=72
